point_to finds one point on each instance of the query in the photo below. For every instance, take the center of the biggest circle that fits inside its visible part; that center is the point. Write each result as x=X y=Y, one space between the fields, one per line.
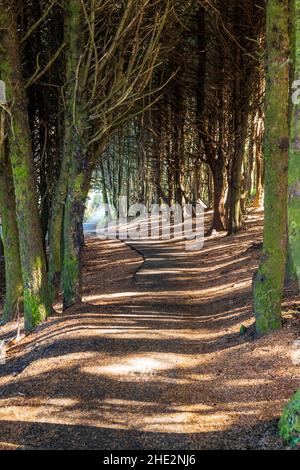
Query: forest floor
x=153 y=358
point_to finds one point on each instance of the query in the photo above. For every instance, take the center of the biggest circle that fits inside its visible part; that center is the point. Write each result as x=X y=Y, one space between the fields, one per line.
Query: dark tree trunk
x=219 y=181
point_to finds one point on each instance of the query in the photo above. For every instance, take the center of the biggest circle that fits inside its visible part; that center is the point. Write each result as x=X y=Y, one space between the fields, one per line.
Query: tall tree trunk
x=60 y=220
x=169 y=151
x=73 y=239
x=294 y=154
x=36 y=294
x=76 y=154
x=178 y=149
x=73 y=236
x=106 y=201
x=217 y=169
x=259 y=163
x=57 y=216
x=249 y=170
x=196 y=182
x=235 y=211
x=10 y=236
x=241 y=99
x=269 y=280
x=289 y=426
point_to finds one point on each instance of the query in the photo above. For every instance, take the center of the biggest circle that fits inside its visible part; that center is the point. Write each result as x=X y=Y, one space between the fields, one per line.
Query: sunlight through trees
x=166 y=105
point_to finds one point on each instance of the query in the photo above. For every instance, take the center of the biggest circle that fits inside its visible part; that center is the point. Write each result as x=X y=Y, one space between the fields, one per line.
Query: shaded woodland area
x=164 y=102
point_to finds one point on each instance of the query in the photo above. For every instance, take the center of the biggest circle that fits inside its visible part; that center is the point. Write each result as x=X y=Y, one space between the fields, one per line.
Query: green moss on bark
x=75 y=165
x=294 y=152
x=289 y=425
x=61 y=256
x=10 y=236
x=73 y=235
x=33 y=262
x=269 y=280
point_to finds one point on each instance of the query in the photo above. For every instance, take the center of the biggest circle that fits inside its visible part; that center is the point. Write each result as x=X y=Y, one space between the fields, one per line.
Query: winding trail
x=152 y=359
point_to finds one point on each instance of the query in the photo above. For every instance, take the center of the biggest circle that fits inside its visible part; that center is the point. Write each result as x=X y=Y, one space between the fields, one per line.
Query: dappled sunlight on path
x=153 y=357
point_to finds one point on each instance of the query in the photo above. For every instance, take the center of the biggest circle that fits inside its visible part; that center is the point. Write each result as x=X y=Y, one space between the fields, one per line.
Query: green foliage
x=289 y=425
x=243 y=330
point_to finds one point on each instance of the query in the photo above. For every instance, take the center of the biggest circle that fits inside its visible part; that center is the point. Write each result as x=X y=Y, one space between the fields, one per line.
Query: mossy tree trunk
x=10 y=236
x=269 y=280
x=57 y=215
x=72 y=229
x=62 y=216
x=289 y=425
x=33 y=262
x=294 y=153
x=71 y=194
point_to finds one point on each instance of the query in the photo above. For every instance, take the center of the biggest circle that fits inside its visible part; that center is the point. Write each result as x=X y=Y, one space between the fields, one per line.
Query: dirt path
x=153 y=358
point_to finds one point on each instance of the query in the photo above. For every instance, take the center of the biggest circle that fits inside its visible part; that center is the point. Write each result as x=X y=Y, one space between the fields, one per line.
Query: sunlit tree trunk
x=269 y=280
x=33 y=262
